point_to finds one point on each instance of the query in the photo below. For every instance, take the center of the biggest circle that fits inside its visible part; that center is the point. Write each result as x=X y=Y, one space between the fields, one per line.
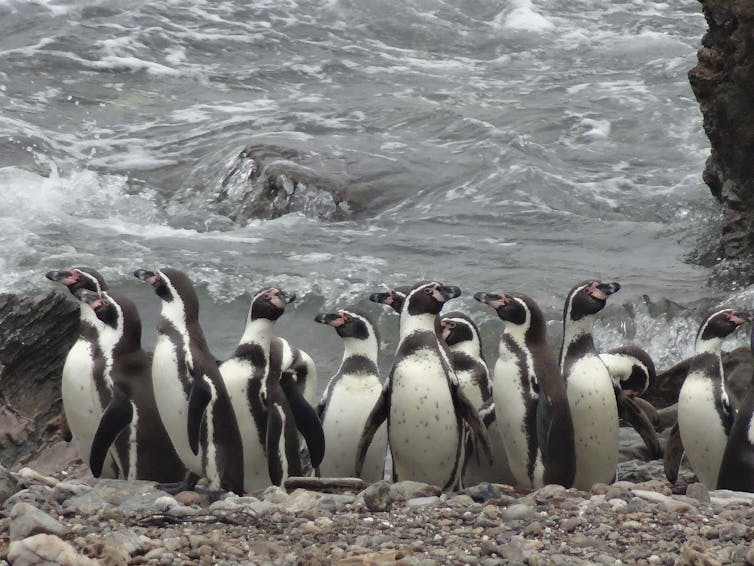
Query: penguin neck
x=577 y=330
x=260 y=332
x=708 y=346
x=468 y=347
x=366 y=348
x=87 y=316
x=517 y=332
x=174 y=312
x=411 y=323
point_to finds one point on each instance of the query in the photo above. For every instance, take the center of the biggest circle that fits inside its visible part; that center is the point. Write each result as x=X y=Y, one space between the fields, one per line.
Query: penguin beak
x=390 y=298
x=739 y=317
x=149 y=277
x=609 y=288
x=65 y=277
x=494 y=300
x=449 y=292
x=333 y=319
x=381 y=298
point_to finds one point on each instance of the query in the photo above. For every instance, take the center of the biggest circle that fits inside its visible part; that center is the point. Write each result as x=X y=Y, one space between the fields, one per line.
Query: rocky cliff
x=723 y=82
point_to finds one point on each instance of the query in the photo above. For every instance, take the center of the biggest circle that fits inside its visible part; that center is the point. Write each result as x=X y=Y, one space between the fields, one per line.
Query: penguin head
x=588 y=298
x=429 y=298
x=633 y=367
x=170 y=284
x=394 y=298
x=720 y=324
x=103 y=306
x=79 y=278
x=509 y=308
x=269 y=304
x=458 y=328
x=349 y=324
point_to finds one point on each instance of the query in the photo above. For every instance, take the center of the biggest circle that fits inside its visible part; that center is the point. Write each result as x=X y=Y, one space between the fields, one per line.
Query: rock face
x=723 y=83
x=35 y=336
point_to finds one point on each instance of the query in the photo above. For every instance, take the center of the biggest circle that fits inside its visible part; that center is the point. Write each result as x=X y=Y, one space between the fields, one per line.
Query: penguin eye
x=346 y=318
x=428 y=290
x=451 y=325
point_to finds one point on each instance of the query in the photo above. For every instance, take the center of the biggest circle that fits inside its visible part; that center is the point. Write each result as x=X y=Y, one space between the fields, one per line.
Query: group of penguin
x=179 y=414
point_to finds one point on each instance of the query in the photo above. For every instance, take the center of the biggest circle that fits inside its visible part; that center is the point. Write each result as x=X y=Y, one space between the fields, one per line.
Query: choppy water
x=521 y=145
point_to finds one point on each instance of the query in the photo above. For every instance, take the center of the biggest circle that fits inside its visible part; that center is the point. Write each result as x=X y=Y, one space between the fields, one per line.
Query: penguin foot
x=186 y=484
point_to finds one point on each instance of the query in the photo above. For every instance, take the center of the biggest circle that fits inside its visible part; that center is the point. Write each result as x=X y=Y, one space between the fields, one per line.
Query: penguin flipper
x=673 y=454
x=648 y=409
x=115 y=419
x=470 y=414
x=274 y=437
x=632 y=413
x=379 y=414
x=199 y=398
x=307 y=421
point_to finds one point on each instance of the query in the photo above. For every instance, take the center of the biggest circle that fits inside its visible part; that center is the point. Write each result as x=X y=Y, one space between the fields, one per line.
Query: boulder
x=723 y=83
x=35 y=336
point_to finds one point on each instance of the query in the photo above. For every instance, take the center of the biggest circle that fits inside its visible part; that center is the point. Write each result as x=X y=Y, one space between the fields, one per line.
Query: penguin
x=589 y=387
x=633 y=372
x=131 y=420
x=705 y=416
x=531 y=405
x=392 y=298
x=246 y=374
x=737 y=466
x=189 y=391
x=422 y=400
x=349 y=397
x=83 y=390
x=461 y=335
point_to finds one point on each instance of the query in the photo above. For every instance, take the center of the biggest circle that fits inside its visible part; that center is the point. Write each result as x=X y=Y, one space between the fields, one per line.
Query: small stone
x=67 y=489
x=599 y=489
x=570 y=524
x=461 y=501
x=303 y=500
x=551 y=491
x=658 y=486
x=750 y=556
x=404 y=490
x=483 y=492
x=694 y=552
x=675 y=506
x=417 y=502
x=189 y=498
x=377 y=496
x=491 y=511
x=732 y=531
x=26 y=520
x=325 y=485
x=698 y=491
x=275 y=494
x=164 y=503
x=29 y=475
x=517 y=512
x=47 y=549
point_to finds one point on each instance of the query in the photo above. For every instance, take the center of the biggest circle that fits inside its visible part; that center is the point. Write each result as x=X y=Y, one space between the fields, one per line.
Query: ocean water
x=523 y=145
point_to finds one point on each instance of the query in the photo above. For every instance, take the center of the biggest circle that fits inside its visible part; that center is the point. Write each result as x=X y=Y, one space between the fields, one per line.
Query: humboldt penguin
x=189 y=391
x=531 y=406
x=422 y=400
x=349 y=397
x=589 y=387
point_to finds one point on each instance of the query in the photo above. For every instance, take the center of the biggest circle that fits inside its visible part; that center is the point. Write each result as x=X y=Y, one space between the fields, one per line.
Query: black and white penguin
x=737 y=467
x=461 y=335
x=531 y=406
x=349 y=397
x=422 y=400
x=589 y=387
x=633 y=372
x=188 y=388
x=83 y=389
x=267 y=419
x=705 y=415
x=143 y=446
x=393 y=298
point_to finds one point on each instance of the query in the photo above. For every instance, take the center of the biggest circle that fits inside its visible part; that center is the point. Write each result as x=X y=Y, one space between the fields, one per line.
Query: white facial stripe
x=175 y=312
x=91 y=278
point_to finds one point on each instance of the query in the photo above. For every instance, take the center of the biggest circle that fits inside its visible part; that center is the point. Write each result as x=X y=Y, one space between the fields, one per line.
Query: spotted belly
x=424 y=432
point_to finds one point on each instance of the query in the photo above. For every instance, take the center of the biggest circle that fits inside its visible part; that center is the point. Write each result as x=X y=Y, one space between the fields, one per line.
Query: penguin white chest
x=510 y=411
x=351 y=402
x=80 y=400
x=171 y=401
x=424 y=432
x=237 y=376
x=594 y=411
x=701 y=428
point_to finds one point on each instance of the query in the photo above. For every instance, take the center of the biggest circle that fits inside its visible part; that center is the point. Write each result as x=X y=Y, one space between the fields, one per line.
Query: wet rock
x=26 y=520
x=377 y=496
x=46 y=549
x=8 y=484
x=403 y=490
x=483 y=492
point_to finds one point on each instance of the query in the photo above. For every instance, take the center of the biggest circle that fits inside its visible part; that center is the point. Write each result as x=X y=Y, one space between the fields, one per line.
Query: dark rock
x=325 y=485
x=723 y=83
x=8 y=484
x=482 y=492
x=35 y=336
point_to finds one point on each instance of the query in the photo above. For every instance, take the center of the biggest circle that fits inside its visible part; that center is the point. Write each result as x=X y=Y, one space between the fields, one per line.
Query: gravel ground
x=116 y=522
